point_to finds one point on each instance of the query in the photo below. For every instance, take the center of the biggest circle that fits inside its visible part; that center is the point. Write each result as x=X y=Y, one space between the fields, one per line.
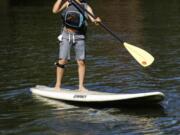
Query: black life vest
x=74 y=18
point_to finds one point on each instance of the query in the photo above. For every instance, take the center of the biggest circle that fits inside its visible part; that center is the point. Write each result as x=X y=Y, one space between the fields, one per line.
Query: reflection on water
x=54 y=103
x=41 y=115
x=29 y=47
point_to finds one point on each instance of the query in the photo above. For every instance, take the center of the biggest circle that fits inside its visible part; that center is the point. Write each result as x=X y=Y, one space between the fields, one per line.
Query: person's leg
x=80 y=57
x=64 y=55
x=81 y=72
x=59 y=73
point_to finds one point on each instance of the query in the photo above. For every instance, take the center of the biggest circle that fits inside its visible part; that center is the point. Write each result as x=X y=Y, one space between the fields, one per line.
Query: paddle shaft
x=77 y=5
x=141 y=56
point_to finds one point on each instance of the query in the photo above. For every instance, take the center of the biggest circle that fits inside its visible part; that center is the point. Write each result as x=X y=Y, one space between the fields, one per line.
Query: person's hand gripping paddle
x=141 y=56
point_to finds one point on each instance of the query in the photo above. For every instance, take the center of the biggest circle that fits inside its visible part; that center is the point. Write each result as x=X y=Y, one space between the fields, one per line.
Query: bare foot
x=57 y=88
x=83 y=89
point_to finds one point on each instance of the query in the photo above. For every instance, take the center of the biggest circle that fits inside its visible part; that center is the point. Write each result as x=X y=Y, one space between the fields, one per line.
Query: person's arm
x=59 y=6
x=91 y=18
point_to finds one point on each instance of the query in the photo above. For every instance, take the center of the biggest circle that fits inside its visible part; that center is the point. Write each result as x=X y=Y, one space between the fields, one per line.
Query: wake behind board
x=89 y=98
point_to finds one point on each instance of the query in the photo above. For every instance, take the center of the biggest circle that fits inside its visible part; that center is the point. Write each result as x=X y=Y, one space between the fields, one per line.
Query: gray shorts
x=70 y=40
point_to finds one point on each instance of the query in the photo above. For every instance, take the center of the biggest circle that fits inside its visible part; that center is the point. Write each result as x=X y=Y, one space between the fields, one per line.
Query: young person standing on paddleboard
x=73 y=34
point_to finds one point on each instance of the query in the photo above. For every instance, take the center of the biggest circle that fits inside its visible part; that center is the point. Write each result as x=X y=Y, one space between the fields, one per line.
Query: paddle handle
x=100 y=23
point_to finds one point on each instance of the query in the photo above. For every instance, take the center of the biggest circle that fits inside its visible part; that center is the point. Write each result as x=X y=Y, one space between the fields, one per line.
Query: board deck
x=93 y=97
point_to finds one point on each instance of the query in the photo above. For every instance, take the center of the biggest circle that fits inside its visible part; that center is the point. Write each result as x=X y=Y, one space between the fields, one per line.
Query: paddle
x=141 y=56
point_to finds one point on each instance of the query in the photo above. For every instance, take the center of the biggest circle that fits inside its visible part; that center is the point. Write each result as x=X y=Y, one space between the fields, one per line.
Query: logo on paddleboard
x=79 y=96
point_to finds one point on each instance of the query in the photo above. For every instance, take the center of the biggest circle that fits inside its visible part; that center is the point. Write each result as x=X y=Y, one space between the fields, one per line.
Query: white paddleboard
x=96 y=98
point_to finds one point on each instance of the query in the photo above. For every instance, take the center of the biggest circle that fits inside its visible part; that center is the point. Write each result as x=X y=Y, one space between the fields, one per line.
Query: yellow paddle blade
x=142 y=57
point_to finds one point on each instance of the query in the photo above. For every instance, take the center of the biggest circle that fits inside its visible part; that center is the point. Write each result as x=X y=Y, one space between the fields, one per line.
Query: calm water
x=29 y=47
